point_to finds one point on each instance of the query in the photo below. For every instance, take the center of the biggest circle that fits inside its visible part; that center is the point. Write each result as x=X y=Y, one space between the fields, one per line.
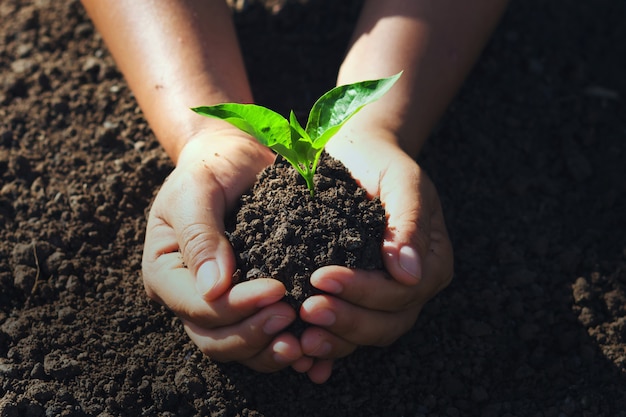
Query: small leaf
x=288 y=153
x=303 y=149
x=333 y=109
x=297 y=132
x=301 y=143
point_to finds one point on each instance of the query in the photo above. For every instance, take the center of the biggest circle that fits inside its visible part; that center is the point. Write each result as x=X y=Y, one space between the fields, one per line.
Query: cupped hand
x=375 y=308
x=188 y=261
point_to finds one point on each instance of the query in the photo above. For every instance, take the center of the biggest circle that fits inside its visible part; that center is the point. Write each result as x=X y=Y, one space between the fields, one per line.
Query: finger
x=302 y=364
x=174 y=286
x=320 y=343
x=321 y=371
x=283 y=351
x=407 y=237
x=199 y=229
x=439 y=262
x=245 y=340
x=358 y=325
x=373 y=290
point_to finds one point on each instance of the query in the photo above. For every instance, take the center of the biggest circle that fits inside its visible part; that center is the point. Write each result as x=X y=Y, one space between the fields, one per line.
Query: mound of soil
x=529 y=162
x=279 y=231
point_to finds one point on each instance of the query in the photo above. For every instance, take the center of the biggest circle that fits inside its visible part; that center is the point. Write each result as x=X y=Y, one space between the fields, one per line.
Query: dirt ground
x=529 y=160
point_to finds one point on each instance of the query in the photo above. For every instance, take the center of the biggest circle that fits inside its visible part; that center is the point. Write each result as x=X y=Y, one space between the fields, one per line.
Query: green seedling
x=302 y=147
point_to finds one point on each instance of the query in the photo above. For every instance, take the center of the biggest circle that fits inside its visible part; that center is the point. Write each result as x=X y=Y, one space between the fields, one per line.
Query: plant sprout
x=302 y=147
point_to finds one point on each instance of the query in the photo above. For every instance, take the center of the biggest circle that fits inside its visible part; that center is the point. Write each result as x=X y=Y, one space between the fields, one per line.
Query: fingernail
x=282 y=353
x=410 y=261
x=280 y=350
x=275 y=324
x=207 y=277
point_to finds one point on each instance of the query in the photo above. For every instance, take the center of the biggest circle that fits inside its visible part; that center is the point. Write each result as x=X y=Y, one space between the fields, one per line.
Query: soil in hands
x=279 y=231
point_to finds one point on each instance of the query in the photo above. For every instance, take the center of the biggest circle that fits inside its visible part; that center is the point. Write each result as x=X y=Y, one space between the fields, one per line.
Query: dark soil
x=529 y=161
x=281 y=232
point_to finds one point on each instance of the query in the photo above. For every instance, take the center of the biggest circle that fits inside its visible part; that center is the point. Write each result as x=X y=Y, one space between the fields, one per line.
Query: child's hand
x=366 y=307
x=188 y=261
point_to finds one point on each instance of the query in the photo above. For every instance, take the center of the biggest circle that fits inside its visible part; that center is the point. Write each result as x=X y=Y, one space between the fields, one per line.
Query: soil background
x=529 y=161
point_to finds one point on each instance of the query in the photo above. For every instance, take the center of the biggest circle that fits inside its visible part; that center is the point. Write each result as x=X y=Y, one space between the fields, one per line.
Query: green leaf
x=265 y=125
x=301 y=142
x=301 y=147
x=287 y=152
x=331 y=111
x=297 y=130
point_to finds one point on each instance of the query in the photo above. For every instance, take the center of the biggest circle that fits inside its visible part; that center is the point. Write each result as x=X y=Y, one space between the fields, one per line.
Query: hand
x=188 y=262
x=368 y=307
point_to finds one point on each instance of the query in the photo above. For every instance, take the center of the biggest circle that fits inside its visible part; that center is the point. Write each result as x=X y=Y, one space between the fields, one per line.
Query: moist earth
x=528 y=160
x=280 y=231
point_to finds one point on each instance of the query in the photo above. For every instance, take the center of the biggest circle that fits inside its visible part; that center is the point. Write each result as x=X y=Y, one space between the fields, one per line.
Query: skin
x=181 y=54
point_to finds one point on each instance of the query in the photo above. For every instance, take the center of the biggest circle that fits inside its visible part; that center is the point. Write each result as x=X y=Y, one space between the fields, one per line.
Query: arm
x=435 y=43
x=176 y=55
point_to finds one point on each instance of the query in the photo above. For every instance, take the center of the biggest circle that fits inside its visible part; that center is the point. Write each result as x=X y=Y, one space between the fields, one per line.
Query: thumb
x=208 y=254
x=407 y=237
x=199 y=228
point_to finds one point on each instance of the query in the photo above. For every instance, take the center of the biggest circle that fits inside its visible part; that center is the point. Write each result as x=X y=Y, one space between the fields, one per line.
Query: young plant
x=302 y=147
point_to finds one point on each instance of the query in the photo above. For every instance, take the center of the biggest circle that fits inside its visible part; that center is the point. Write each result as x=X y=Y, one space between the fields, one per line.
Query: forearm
x=434 y=42
x=174 y=55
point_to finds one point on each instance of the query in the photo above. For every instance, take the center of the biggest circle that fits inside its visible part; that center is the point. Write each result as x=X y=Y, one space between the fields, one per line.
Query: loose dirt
x=529 y=161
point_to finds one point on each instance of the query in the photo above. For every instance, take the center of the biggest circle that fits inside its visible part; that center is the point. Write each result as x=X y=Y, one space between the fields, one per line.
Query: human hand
x=188 y=261
x=367 y=307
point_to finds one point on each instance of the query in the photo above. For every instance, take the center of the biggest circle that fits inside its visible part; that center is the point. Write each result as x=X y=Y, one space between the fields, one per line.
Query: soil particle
x=61 y=366
x=24 y=278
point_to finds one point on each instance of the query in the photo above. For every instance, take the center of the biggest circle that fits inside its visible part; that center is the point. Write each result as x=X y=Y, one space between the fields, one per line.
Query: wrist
x=377 y=136
x=178 y=135
x=358 y=136
x=224 y=143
